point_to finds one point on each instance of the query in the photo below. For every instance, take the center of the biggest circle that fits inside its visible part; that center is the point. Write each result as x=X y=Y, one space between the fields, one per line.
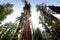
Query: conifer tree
x=5 y=9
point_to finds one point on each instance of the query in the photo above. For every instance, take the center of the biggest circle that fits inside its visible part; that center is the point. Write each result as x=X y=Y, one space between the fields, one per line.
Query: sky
x=18 y=8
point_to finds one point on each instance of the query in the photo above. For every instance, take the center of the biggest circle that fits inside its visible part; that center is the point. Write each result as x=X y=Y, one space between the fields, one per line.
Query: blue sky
x=18 y=8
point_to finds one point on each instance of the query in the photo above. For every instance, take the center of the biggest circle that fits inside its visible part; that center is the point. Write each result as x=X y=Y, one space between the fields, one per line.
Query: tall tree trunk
x=26 y=32
x=26 y=35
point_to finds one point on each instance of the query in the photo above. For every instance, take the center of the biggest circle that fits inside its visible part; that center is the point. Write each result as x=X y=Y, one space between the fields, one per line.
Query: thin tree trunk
x=16 y=35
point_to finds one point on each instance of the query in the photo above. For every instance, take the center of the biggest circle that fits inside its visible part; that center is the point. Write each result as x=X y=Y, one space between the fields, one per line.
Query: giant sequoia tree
x=48 y=18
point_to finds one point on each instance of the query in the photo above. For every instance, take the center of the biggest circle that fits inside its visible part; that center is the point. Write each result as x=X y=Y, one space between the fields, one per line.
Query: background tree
x=7 y=33
x=5 y=9
x=47 y=21
x=37 y=35
x=46 y=36
x=20 y=26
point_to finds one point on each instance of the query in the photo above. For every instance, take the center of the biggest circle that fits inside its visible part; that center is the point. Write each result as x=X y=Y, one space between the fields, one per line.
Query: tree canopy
x=5 y=9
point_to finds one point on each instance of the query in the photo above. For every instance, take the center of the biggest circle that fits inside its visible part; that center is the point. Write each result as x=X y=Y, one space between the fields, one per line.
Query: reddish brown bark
x=56 y=20
x=26 y=32
x=26 y=35
x=53 y=18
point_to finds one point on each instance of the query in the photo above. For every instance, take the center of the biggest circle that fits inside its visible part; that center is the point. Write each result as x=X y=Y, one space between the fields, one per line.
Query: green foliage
x=1 y=9
x=46 y=35
x=2 y=18
x=7 y=34
x=54 y=25
x=37 y=35
x=48 y=20
x=5 y=10
x=1 y=12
